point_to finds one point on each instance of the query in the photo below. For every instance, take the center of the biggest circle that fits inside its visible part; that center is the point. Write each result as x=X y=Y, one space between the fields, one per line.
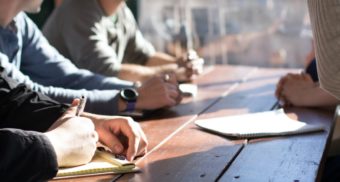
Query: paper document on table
x=262 y=124
x=102 y=163
x=188 y=89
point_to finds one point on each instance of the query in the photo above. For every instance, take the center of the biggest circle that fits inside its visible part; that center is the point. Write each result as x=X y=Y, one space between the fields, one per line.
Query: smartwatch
x=130 y=96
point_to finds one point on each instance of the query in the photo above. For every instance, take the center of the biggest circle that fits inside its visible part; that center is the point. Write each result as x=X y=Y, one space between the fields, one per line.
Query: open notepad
x=262 y=124
x=102 y=163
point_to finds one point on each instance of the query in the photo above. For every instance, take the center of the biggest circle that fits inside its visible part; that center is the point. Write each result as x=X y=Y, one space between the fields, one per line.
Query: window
x=269 y=33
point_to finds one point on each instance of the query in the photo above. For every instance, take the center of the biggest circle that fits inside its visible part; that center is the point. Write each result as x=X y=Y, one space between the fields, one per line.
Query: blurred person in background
x=28 y=58
x=103 y=37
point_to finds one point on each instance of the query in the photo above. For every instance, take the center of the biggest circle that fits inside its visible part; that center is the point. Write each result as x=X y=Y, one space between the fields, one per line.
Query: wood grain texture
x=162 y=125
x=196 y=155
x=293 y=158
x=180 y=151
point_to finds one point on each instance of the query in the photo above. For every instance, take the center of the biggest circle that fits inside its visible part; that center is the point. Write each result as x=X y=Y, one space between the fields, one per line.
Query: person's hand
x=73 y=138
x=189 y=66
x=294 y=89
x=158 y=92
x=121 y=134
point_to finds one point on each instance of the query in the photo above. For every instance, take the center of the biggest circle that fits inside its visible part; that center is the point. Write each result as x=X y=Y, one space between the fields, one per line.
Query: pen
x=81 y=105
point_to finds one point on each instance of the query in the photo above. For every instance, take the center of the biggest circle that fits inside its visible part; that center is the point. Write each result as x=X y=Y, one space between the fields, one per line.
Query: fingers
x=173 y=94
x=291 y=89
x=194 y=67
x=70 y=112
x=137 y=141
x=280 y=86
x=75 y=103
x=124 y=131
x=132 y=147
x=170 y=77
x=111 y=140
x=283 y=101
x=279 y=92
x=73 y=109
x=283 y=80
x=192 y=63
x=197 y=65
x=172 y=89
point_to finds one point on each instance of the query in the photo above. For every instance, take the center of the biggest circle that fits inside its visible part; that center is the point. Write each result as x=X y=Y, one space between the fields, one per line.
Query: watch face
x=129 y=94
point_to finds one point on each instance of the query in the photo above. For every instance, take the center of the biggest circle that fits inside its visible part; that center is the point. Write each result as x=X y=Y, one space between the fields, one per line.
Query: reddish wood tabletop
x=180 y=151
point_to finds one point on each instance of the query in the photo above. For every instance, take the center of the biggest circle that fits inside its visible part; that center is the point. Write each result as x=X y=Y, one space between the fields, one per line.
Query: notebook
x=102 y=163
x=262 y=124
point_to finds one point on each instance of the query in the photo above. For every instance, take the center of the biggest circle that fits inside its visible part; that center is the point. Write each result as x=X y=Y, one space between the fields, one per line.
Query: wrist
x=53 y=139
x=128 y=98
x=121 y=105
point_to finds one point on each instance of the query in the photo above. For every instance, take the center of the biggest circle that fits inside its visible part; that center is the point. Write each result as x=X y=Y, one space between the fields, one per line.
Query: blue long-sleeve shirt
x=28 y=58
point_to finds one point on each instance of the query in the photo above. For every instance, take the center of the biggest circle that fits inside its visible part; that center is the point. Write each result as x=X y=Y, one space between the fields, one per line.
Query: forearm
x=162 y=62
x=159 y=59
x=323 y=98
x=134 y=72
x=26 y=156
x=317 y=97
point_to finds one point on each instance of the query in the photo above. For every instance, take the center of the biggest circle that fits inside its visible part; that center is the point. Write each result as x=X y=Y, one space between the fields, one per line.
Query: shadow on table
x=197 y=166
x=222 y=83
x=252 y=99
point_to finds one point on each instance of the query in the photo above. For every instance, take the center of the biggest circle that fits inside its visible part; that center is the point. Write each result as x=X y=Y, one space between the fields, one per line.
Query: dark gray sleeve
x=25 y=109
x=26 y=156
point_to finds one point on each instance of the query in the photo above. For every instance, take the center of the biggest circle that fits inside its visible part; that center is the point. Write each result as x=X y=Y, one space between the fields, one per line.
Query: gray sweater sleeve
x=325 y=21
x=82 y=37
x=95 y=41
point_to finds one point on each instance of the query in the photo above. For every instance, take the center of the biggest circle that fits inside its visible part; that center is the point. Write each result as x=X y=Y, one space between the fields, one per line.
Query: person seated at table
x=38 y=134
x=29 y=58
x=326 y=35
x=103 y=36
x=303 y=90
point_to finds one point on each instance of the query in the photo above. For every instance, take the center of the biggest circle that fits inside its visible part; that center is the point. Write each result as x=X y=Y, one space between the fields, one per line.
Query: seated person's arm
x=44 y=65
x=17 y=99
x=185 y=67
x=21 y=108
x=157 y=64
x=300 y=90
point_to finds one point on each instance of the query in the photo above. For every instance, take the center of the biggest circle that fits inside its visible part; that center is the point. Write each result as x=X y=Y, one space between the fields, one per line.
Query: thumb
x=70 y=112
x=73 y=108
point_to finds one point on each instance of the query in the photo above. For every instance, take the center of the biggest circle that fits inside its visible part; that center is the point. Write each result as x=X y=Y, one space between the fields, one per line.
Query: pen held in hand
x=81 y=106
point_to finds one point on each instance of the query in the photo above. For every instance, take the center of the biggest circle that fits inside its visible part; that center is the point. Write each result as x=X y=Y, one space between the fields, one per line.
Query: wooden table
x=180 y=151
